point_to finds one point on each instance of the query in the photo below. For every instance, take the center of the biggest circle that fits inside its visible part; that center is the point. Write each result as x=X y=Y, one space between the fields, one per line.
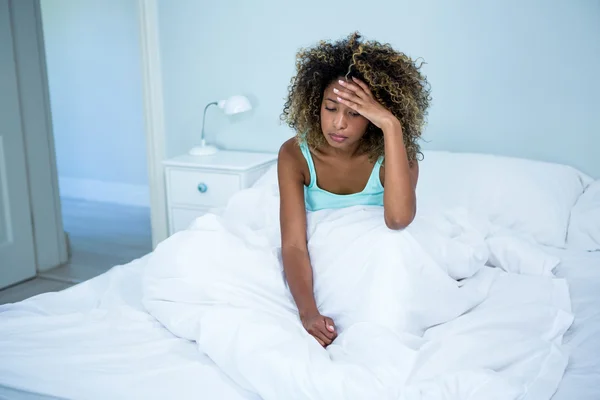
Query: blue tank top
x=316 y=198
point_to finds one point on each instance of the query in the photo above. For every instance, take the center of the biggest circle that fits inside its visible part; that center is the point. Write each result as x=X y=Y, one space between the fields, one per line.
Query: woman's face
x=342 y=126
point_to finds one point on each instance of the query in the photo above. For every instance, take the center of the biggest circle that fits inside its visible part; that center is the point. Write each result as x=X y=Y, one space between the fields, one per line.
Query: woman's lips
x=337 y=138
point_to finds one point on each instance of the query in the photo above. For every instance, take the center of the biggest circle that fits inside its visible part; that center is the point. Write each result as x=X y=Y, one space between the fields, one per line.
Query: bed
x=97 y=340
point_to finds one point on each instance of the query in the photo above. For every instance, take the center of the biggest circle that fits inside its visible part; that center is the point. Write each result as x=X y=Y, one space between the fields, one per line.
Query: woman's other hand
x=321 y=328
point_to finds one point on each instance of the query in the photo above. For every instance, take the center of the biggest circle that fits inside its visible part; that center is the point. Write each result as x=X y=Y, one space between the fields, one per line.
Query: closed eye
x=330 y=109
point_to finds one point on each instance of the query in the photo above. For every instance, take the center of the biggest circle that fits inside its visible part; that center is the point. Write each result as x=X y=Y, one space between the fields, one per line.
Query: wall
x=511 y=77
x=94 y=73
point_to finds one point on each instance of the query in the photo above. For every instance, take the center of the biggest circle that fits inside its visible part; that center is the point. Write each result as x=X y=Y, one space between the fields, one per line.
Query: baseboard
x=109 y=192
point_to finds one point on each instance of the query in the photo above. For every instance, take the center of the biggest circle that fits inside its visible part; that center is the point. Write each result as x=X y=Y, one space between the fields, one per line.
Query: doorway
x=94 y=86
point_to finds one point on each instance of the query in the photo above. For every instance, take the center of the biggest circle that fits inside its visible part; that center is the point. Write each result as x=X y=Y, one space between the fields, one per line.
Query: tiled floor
x=102 y=235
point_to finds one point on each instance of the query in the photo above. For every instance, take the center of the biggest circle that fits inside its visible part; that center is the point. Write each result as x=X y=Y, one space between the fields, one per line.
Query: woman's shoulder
x=290 y=148
x=291 y=157
x=290 y=152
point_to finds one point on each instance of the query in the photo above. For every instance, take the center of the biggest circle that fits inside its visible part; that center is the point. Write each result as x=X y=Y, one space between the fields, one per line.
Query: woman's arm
x=400 y=176
x=294 y=249
x=292 y=215
x=400 y=179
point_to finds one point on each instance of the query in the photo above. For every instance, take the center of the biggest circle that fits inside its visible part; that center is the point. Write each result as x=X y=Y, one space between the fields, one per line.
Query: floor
x=101 y=235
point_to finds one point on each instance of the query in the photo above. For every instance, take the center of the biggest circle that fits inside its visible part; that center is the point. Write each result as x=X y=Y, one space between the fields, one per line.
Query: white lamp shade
x=235 y=104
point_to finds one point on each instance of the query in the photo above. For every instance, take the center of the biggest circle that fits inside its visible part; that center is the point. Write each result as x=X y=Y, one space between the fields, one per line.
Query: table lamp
x=233 y=105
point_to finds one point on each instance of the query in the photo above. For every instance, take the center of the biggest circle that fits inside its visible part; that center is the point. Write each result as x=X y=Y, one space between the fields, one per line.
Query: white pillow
x=531 y=198
x=584 y=227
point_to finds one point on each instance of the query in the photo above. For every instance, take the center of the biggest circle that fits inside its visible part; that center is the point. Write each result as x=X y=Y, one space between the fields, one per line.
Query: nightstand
x=196 y=185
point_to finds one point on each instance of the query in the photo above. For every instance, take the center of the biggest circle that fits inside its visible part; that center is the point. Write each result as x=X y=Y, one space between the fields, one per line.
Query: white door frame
x=50 y=240
x=153 y=116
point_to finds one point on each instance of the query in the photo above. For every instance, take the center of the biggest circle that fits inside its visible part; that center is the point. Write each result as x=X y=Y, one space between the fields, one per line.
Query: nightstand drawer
x=181 y=218
x=199 y=188
x=197 y=184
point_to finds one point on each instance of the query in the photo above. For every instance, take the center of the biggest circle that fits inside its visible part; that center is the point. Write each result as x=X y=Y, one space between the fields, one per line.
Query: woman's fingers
x=347 y=95
x=363 y=86
x=328 y=334
x=328 y=328
x=323 y=338
x=330 y=325
x=318 y=331
x=357 y=90
x=320 y=341
x=351 y=104
x=322 y=329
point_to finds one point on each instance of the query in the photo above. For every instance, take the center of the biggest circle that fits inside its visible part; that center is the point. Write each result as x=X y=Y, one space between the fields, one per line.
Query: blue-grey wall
x=94 y=73
x=510 y=77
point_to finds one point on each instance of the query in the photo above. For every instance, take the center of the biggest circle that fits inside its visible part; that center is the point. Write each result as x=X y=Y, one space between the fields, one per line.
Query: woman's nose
x=340 y=122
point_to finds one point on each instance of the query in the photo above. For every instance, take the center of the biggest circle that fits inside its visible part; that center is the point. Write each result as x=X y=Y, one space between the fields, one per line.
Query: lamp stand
x=204 y=149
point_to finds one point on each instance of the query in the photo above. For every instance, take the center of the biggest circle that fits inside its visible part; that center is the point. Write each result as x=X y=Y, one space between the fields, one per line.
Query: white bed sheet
x=95 y=341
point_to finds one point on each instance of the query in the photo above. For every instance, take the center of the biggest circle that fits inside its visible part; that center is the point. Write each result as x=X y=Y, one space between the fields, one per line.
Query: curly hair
x=394 y=79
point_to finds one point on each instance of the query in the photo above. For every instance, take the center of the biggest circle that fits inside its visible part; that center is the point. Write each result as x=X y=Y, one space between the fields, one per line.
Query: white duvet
x=445 y=309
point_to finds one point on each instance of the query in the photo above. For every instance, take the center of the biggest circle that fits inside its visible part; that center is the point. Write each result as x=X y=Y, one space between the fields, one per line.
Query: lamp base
x=205 y=150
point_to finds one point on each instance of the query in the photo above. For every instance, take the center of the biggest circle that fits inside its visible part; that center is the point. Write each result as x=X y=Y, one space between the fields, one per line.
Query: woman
x=353 y=105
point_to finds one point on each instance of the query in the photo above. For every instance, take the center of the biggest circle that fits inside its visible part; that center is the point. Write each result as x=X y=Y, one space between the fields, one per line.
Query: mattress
x=95 y=341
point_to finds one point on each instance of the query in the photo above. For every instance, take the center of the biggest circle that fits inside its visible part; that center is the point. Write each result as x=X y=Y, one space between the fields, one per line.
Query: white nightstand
x=197 y=184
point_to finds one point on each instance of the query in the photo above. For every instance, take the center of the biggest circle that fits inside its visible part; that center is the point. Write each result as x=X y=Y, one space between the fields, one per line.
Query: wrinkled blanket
x=448 y=308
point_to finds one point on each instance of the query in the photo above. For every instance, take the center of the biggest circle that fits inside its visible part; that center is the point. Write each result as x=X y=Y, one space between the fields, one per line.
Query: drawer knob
x=202 y=188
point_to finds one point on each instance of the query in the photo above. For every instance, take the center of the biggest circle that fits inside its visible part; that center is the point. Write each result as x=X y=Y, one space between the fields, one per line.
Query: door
x=17 y=251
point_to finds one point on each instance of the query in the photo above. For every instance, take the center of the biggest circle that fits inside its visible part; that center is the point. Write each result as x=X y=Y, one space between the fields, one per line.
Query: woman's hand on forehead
x=357 y=95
